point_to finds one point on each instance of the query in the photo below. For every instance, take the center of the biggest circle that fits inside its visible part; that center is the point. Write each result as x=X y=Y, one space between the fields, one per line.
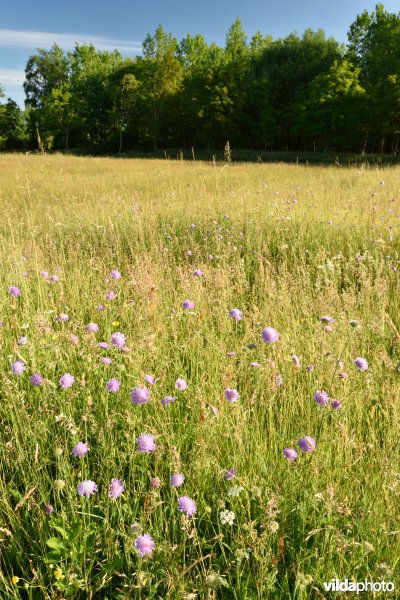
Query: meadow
x=155 y=442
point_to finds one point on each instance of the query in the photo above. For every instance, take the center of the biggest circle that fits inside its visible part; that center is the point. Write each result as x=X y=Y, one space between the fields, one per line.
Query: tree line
x=297 y=93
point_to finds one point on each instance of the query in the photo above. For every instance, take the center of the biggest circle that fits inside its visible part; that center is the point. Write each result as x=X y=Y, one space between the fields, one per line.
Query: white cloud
x=13 y=38
x=12 y=77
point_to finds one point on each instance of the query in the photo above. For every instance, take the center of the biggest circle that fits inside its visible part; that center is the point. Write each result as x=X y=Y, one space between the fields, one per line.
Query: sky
x=123 y=24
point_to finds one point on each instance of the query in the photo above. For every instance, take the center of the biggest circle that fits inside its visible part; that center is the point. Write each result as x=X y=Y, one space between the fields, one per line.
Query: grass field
x=284 y=244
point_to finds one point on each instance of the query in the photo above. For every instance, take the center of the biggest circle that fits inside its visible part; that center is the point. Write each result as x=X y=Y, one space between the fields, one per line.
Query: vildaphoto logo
x=334 y=585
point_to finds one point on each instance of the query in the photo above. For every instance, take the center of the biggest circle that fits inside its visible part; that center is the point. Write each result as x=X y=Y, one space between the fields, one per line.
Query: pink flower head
x=87 y=488
x=145 y=443
x=145 y=545
x=231 y=394
x=181 y=384
x=14 y=291
x=115 y=274
x=66 y=381
x=270 y=335
x=140 y=395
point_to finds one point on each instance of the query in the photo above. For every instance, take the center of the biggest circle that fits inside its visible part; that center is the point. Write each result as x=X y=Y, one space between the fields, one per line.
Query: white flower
x=235 y=490
x=227 y=517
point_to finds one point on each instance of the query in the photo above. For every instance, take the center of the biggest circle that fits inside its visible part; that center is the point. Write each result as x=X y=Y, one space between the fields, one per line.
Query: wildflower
x=269 y=335
x=187 y=506
x=113 y=385
x=235 y=490
x=116 y=488
x=91 y=328
x=145 y=545
x=22 y=340
x=105 y=360
x=236 y=314
x=296 y=360
x=62 y=317
x=188 y=305
x=343 y=375
x=18 y=367
x=278 y=381
x=110 y=295
x=181 y=384
x=54 y=278
x=80 y=450
x=118 y=339
x=361 y=363
x=149 y=379
x=140 y=395
x=177 y=479
x=231 y=395
x=59 y=484
x=231 y=353
x=48 y=509
x=44 y=274
x=198 y=273
x=115 y=274
x=336 y=404
x=104 y=345
x=290 y=454
x=74 y=340
x=255 y=365
x=326 y=319
x=227 y=517
x=66 y=381
x=307 y=444
x=58 y=574
x=321 y=398
x=327 y=328
x=155 y=482
x=14 y=291
x=87 y=488
x=167 y=400
x=100 y=307
x=15 y=580
x=36 y=379
x=145 y=443
x=230 y=474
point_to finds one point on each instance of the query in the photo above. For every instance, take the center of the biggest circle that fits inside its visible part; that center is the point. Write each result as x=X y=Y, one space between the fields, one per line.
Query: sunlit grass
x=285 y=245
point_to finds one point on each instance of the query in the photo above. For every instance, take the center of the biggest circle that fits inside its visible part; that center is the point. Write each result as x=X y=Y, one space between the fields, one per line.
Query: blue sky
x=123 y=24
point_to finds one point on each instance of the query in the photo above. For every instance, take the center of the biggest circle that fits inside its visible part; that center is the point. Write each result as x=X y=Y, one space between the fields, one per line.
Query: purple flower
x=48 y=509
x=62 y=317
x=80 y=450
x=91 y=328
x=116 y=488
x=100 y=307
x=67 y=380
x=361 y=363
x=177 y=479
x=140 y=395
x=104 y=345
x=14 y=291
x=167 y=400
x=110 y=296
x=269 y=335
x=290 y=454
x=118 y=339
x=188 y=304
x=321 y=398
x=326 y=319
x=145 y=443
x=187 y=506
x=105 y=360
x=18 y=367
x=307 y=443
x=236 y=314
x=336 y=404
x=255 y=364
x=115 y=274
x=150 y=379
x=231 y=394
x=87 y=488
x=296 y=360
x=144 y=545
x=181 y=384
x=113 y=385
x=230 y=474
x=36 y=379
x=198 y=273
x=155 y=482
x=231 y=353
x=22 y=340
x=309 y=368
x=54 y=278
x=44 y=274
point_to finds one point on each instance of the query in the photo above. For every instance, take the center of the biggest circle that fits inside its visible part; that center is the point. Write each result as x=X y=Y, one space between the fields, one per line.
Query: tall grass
x=284 y=244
